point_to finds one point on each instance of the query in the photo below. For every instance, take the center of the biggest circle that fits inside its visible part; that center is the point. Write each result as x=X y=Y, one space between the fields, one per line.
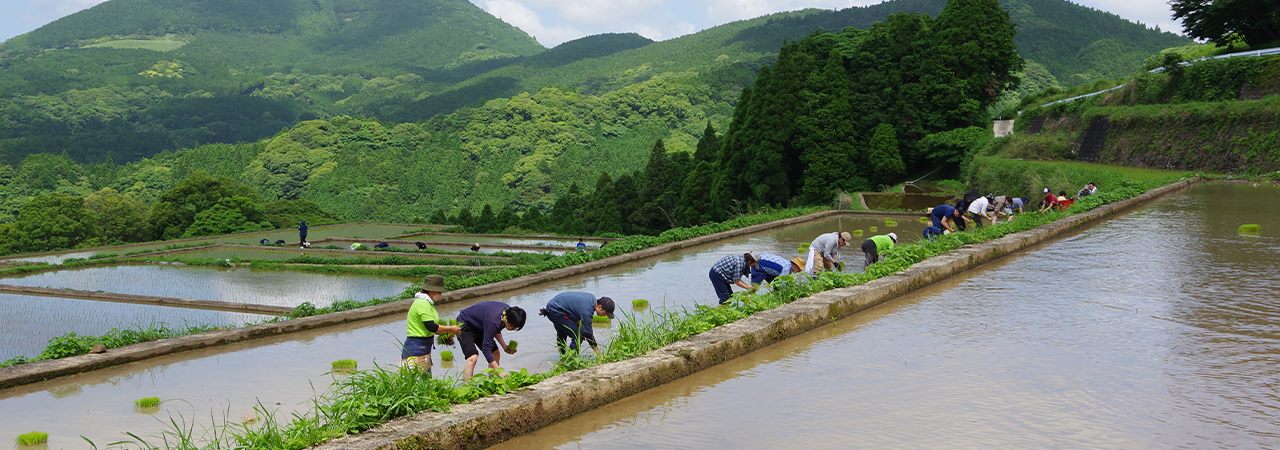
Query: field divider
x=455 y=244
x=251 y=308
x=40 y=371
x=491 y=420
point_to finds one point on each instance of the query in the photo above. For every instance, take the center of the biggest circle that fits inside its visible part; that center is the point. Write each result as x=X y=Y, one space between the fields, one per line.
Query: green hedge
x=1026 y=179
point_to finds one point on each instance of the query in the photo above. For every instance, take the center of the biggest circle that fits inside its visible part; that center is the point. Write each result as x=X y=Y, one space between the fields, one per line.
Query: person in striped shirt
x=728 y=271
x=771 y=266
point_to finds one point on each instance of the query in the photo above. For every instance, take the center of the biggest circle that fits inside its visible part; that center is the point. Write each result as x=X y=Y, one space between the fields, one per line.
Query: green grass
x=159 y=45
x=1026 y=179
x=1250 y=229
x=33 y=438
x=147 y=402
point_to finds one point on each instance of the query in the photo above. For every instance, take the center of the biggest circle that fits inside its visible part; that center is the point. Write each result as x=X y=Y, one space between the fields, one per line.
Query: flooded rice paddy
x=285 y=372
x=29 y=321
x=1159 y=329
x=264 y=287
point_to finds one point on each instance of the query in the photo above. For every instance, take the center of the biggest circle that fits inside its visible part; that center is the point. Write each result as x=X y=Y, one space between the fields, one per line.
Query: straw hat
x=846 y=236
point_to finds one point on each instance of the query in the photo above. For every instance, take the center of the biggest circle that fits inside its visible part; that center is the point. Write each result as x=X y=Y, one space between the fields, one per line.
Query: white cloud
x=516 y=13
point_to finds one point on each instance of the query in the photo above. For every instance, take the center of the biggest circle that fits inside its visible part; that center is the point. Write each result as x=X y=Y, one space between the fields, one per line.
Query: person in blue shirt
x=581 y=246
x=570 y=314
x=302 y=233
x=729 y=271
x=944 y=216
x=771 y=266
x=481 y=325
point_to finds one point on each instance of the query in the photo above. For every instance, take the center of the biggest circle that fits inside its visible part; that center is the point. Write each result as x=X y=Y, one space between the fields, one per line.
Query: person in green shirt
x=872 y=247
x=421 y=326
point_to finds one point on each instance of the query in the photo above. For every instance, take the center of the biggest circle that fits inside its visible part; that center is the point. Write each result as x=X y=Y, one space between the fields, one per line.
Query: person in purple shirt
x=482 y=325
x=944 y=216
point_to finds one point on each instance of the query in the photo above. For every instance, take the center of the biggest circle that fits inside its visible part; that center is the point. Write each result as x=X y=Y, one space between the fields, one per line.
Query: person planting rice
x=944 y=217
x=771 y=266
x=825 y=248
x=872 y=247
x=730 y=270
x=302 y=233
x=481 y=332
x=421 y=324
x=978 y=210
x=1049 y=202
x=570 y=314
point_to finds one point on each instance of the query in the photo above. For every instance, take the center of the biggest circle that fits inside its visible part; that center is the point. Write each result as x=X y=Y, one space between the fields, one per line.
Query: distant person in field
x=581 y=246
x=770 y=266
x=381 y=245
x=302 y=233
x=475 y=247
x=873 y=246
x=1049 y=202
x=729 y=271
x=421 y=325
x=825 y=249
x=999 y=205
x=420 y=245
x=944 y=217
x=1015 y=206
x=570 y=314
x=481 y=333
x=1087 y=190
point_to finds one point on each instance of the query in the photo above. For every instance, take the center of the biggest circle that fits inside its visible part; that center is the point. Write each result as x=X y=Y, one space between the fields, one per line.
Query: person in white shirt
x=978 y=210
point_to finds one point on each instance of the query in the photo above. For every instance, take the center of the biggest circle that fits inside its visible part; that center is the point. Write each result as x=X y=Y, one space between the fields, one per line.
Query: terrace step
x=147 y=300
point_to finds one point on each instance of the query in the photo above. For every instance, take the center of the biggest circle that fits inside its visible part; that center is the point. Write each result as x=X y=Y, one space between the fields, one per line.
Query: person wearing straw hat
x=421 y=325
x=873 y=246
x=824 y=249
x=570 y=314
x=770 y=266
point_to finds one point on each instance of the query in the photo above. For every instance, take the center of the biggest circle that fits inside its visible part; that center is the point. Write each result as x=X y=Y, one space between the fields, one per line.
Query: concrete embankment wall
x=45 y=370
x=491 y=420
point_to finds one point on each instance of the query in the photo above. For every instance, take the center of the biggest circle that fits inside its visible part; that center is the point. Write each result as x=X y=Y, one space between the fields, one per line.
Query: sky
x=552 y=22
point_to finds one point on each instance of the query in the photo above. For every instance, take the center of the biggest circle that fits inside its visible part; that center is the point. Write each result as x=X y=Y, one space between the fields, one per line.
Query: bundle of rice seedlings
x=890 y=223
x=600 y=320
x=639 y=303
x=147 y=402
x=512 y=344
x=344 y=365
x=33 y=438
x=1250 y=229
x=446 y=356
x=873 y=229
x=858 y=233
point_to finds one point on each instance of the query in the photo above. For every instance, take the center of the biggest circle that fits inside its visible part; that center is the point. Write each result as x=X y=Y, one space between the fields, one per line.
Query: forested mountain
x=129 y=78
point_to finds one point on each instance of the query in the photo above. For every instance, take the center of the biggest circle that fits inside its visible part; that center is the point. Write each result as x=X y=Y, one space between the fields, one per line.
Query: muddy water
x=286 y=372
x=29 y=322
x=1158 y=329
x=277 y=288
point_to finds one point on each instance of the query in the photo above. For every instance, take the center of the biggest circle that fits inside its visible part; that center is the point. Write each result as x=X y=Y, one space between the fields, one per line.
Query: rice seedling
x=33 y=438
x=446 y=356
x=1250 y=229
x=600 y=320
x=639 y=303
x=345 y=365
x=802 y=249
x=923 y=220
x=512 y=344
x=873 y=229
x=147 y=402
x=890 y=223
x=858 y=233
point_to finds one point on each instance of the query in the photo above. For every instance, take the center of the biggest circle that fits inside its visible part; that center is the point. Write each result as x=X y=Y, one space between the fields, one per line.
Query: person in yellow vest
x=421 y=325
x=872 y=247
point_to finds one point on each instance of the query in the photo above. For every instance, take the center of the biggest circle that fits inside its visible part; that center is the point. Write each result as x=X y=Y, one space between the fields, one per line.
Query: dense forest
x=130 y=78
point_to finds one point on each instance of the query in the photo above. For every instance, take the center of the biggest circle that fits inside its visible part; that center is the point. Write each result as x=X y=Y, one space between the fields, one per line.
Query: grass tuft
x=147 y=402
x=33 y=438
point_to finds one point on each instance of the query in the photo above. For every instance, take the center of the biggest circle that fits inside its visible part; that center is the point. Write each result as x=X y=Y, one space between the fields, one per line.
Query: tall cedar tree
x=975 y=39
x=1219 y=21
x=694 y=206
x=824 y=127
x=886 y=161
x=660 y=180
x=602 y=213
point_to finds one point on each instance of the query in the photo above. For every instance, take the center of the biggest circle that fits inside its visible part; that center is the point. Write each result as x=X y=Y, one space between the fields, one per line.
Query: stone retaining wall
x=45 y=370
x=491 y=420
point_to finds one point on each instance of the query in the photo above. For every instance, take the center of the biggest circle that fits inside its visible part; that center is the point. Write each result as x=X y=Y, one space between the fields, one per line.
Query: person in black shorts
x=482 y=325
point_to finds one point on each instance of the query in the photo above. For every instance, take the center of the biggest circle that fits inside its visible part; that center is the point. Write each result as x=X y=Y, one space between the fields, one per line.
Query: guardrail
x=1250 y=53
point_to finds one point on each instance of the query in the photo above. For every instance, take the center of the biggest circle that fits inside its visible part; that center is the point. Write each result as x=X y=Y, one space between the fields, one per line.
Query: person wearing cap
x=481 y=333
x=944 y=217
x=1049 y=202
x=771 y=266
x=570 y=314
x=825 y=248
x=728 y=271
x=873 y=246
x=1087 y=190
x=581 y=246
x=421 y=324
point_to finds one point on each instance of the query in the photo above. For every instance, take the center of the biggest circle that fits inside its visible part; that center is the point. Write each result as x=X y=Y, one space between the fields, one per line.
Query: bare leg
x=470 y=370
